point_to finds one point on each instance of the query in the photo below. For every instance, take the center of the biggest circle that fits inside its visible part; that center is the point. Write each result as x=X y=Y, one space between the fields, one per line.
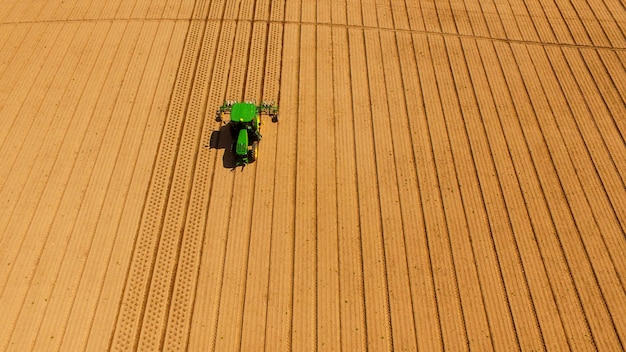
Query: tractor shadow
x=223 y=139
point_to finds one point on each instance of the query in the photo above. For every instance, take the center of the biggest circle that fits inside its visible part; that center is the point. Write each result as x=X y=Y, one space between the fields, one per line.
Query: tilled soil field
x=445 y=175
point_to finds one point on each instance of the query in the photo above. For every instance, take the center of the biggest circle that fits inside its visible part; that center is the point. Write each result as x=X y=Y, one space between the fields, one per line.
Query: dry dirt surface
x=446 y=175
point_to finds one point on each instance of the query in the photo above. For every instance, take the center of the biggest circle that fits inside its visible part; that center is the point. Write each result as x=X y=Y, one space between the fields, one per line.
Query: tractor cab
x=245 y=124
x=244 y=116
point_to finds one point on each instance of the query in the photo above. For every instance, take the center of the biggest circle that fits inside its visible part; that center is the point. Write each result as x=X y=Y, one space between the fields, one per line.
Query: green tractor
x=245 y=127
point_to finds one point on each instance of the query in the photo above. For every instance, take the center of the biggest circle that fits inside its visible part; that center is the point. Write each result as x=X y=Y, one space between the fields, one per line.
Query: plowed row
x=446 y=175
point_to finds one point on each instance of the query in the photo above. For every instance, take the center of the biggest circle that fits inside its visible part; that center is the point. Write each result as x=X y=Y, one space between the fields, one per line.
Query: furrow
x=128 y=324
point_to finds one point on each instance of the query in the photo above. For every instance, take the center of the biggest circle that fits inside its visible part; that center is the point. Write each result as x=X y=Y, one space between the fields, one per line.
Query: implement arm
x=270 y=109
x=267 y=108
x=224 y=109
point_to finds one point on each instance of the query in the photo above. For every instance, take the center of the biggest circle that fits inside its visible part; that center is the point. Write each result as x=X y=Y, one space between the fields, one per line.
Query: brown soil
x=446 y=175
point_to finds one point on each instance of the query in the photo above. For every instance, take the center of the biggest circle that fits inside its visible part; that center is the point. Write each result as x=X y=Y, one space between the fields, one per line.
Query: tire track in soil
x=428 y=328
x=12 y=185
x=597 y=314
x=354 y=13
x=444 y=17
x=579 y=120
x=328 y=322
x=264 y=68
x=304 y=324
x=263 y=75
x=450 y=170
x=92 y=211
x=15 y=93
x=510 y=28
x=106 y=314
x=234 y=44
x=123 y=9
x=607 y=92
x=65 y=13
x=563 y=30
x=606 y=21
x=535 y=41
x=212 y=258
x=181 y=251
x=39 y=162
x=399 y=15
x=534 y=16
x=574 y=23
x=477 y=18
x=384 y=77
x=549 y=23
x=24 y=8
x=137 y=289
x=274 y=51
x=187 y=282
x=24 y=144
x=589 y=24
x=31 y=124
x=111 y=8
x=185 y=275
x=70 y=199
x=461 y=17
x=351 y=289
x=6 y=7
x=149 y=56
x=612 y=67
x=495 y=22
x=205 y=309
x=281 y=268
x=574 y=321
x=528 y=151
x=601 y=255
x=620 y=55
x=225 y=298
x=524 y=25
x=338 y=13
x=52 y=186
x=606 y=272
x=57 y=80
x=92 y=11
x=429 y=18
x=242 y=83
x=505 y=213
x=304 y=333
x=443 y=256
x=615 y=70
x=376 y=292
x=598 y=97
x=100 y=284
x=12 y=224
x=13 y=38
x=475 y=182
x=533 y=297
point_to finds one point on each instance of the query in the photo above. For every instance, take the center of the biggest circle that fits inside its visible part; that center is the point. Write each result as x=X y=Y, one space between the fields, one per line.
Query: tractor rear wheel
x=254 y=152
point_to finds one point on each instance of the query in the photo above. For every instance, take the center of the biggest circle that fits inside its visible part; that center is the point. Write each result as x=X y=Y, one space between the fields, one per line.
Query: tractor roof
x=243 y=112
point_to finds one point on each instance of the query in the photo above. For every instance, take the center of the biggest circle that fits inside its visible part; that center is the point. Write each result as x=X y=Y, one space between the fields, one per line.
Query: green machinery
x=245 y=127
